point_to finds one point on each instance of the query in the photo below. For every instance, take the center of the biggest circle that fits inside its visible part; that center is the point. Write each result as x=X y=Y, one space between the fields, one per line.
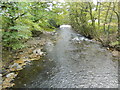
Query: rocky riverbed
x=17 y=61
x=71 y=61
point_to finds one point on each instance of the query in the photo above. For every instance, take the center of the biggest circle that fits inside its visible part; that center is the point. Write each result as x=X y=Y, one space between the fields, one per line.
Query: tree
x=20 y=19
x=96 y=21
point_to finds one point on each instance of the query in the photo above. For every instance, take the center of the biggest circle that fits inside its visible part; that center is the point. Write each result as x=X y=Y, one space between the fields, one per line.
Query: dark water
x=71 y=63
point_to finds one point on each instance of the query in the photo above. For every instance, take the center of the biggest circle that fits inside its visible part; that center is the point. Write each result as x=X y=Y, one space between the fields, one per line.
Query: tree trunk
x=106 y=17
x=110 y=19
x=99 y=16
x=119 y=22
x=91 y=15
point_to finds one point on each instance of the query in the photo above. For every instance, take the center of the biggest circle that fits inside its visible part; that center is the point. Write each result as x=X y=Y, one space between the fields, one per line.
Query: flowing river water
x=73 y=62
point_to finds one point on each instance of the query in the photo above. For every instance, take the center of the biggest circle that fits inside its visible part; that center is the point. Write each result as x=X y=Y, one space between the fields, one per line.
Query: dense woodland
x=100 y=21
x=20 y=20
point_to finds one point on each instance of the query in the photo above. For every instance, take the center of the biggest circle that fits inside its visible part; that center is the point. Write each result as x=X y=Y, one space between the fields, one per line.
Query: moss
x=114 y=43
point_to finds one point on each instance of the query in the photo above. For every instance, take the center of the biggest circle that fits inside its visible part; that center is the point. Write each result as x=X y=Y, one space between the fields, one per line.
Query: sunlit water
x=63 y=26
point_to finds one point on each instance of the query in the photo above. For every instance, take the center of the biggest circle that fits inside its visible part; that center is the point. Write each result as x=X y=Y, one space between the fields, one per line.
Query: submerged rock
x=15 y=66
x=7 y=82
x=38 y=52
x=115 y=53
x=9 y=75
x=75 y=39
x=0 y=79
x=80 y=38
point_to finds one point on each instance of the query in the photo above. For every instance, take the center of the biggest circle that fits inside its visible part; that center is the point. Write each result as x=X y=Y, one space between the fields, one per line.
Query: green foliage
x=16 y=36
x=80 y=15
x=19 y=19
x=114 y=43
x=95 y=21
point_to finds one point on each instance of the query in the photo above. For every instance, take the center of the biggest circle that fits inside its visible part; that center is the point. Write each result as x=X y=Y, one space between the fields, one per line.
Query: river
x=72 y=62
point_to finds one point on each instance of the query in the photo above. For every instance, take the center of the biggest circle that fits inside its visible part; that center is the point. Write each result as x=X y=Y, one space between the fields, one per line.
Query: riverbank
x=114 y=48
x=16 y=61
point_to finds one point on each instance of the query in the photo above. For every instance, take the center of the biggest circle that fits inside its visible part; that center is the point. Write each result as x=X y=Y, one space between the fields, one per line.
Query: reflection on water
x=27 y=75
x=62 y=26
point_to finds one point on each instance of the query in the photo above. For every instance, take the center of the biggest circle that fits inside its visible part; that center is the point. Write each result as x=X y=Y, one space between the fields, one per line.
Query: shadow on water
x=40 y=68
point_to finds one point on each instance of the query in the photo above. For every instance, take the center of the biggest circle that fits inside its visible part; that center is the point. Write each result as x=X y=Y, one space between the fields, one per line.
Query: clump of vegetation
x=21 y=19
x=100 y=21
